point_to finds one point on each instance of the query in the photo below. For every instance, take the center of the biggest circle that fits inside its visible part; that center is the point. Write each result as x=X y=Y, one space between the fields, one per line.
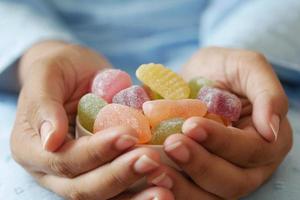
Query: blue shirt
x=132 y=32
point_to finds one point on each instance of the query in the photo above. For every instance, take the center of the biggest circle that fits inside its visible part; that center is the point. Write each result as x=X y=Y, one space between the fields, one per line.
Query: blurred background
x=131 y=32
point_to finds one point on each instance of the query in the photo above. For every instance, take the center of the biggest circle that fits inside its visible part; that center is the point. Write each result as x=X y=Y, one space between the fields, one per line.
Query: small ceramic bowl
x=81 y=131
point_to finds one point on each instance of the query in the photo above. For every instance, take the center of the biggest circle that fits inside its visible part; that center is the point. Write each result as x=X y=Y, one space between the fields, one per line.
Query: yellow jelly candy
x=165 y=82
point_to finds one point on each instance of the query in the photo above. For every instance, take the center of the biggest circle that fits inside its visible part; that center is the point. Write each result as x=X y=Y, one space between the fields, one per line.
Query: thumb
x=270 y=103
x=52 y=123
x=269 y=107
x=45 y=93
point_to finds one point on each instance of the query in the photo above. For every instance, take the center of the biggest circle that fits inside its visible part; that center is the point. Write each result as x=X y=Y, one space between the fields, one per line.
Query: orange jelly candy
x=217 y=118
x=159 y=110
x=115 y=115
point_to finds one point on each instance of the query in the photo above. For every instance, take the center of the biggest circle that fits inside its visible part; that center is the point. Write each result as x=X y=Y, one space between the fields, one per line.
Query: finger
x=44 y=96
x=106 y=181
x=180 y=186
x=242 y=147
x=247 y=74
x=152 y=193
x=78 y=156
x=210 y=172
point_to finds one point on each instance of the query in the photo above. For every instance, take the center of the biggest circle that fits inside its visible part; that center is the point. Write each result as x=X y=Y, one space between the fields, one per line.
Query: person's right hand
x=54 y=76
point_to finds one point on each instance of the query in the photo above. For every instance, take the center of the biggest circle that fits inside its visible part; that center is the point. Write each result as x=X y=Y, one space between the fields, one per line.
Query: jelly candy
x=165 y=129
x=153 y=95
x=215 y=118
x=163 y=81
x=116 y=115
x=133 y=96
x=109 y=82
x=159 y=110
x=196 y=84
x=221 y=102
x=88 y=107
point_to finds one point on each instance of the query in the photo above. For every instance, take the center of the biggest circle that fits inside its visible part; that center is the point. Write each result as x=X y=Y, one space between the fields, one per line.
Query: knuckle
x=255 y=56
x=76 y=194
x=258 y=56
x=61 y=167
x=94 y=155
x=117 y=180
x=200 y=171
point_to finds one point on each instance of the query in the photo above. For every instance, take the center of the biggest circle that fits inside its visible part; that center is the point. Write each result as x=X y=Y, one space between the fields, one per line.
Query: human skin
x=54 y=75
x=230 y=162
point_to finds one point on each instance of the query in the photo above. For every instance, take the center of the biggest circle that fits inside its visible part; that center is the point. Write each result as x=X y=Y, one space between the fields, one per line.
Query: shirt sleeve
x=24 y=23
x=267 y=26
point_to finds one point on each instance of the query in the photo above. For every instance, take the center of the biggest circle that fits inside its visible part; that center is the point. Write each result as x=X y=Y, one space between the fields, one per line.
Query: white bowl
x=81 y=131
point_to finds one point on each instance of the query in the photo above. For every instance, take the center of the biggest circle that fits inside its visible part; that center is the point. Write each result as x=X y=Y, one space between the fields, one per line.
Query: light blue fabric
x=132 y=32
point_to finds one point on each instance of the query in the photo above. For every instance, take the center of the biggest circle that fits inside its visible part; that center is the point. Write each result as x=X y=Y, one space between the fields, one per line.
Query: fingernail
x=178 y=151
x=155 y=198
x=195 y=131
x=145 y=164
x=125 y=141
x=274 y=124
x=46 y=131
x=188 y=126
x=163 y=180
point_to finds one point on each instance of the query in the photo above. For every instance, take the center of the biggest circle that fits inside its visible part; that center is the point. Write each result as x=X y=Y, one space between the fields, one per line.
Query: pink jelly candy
x=221 y=102
x=119 y=115
x=133 y=96
x=109 y=82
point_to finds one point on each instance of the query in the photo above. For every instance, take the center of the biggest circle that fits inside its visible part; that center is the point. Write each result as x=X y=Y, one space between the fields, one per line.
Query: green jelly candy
x=88 y=107
x=197 y=83
x=165 y=129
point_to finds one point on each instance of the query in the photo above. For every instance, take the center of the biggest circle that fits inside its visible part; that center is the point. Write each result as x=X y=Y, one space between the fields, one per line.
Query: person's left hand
x=229 y=162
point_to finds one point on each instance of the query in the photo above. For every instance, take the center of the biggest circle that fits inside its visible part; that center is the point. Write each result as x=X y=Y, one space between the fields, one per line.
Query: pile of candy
x=156 y=109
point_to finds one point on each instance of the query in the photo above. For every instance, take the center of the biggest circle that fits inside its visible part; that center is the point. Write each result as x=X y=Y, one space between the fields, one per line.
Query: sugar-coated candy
x=163 y=81
x=221 y=102
x=88 y=107
x=109 y=82
x=152 y=95
x=116 y=115
x=197 y=83
x=133 y=96
x=159 y=110
x=165 y=129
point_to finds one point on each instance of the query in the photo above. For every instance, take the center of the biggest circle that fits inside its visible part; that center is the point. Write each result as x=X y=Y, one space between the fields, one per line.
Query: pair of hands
x=220 y=162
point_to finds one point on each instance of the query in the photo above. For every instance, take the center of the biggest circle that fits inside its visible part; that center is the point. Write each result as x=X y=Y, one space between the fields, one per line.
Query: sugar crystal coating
x=197 y=83
x=221 y=102
x=88 y=107
x=109 y=82
x=119 y=115
x=166 y=128
x=133 y=96
x=159 y=110
x=162 y=80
